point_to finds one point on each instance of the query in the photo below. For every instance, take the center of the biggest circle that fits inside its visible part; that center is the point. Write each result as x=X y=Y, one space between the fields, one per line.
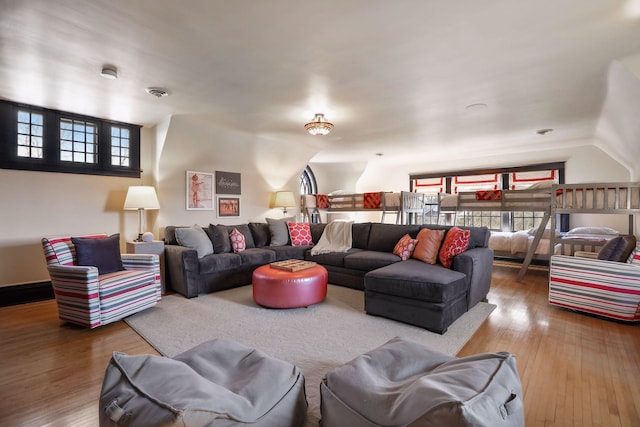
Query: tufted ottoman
x=276 y=288
x=405 y=383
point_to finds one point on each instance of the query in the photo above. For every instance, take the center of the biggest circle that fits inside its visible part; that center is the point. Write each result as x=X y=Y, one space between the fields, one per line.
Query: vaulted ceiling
x=393 y=76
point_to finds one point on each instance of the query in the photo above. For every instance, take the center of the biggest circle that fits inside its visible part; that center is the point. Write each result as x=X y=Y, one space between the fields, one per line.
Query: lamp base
x=139 y=239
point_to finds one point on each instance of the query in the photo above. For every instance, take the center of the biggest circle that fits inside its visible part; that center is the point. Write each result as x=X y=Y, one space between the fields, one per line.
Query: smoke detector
x=158 y=92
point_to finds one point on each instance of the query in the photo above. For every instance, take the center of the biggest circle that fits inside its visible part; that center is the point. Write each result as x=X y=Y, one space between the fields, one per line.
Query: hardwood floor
x=576 y=370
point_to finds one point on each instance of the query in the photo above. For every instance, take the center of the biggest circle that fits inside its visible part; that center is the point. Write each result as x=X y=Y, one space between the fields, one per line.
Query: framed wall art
x=199 y=191
x=228 y=183
x=228 y=206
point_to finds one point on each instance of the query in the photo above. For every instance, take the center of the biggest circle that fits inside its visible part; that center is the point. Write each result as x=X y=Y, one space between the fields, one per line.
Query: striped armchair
x=89 y=299
x=604 y=288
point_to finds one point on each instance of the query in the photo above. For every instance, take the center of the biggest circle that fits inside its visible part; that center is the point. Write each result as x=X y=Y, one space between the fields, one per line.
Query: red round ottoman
x=277 y=288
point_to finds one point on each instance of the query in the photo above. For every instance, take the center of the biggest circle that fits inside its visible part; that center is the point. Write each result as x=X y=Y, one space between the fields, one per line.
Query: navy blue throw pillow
x=103 y=253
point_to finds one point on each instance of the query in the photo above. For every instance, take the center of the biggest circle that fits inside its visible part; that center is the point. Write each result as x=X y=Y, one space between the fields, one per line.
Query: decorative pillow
x=237 y=241
x=618 y=249
x=428 y=245
x=455 y=242
x=405 y=246
x=279 y=231
x=103 y=253
x=300 y=233
x=219 y=236
x=195 y=238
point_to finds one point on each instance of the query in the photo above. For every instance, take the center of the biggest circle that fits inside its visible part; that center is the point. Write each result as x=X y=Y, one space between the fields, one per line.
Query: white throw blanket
x=336 y=237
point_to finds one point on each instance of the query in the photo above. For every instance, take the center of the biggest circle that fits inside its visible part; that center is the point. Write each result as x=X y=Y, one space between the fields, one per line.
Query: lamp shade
x=284 y=199
x=141 y=197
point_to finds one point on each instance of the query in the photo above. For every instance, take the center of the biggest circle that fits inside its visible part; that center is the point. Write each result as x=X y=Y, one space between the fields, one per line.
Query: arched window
x=308 y=183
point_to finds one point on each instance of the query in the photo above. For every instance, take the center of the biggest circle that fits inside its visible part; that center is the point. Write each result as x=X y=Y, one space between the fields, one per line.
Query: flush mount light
x=319 y=126
x=158 y=92
x=543 y=131
x=109 y=72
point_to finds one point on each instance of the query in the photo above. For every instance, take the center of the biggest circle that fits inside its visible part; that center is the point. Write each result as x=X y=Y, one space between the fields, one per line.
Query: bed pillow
x=405 y=247
x=300 y=233
x=195 y=238
x=618 y=249
x=428 y=245
x=594 y=230
x=102 y=253
x=455 y=242
x=279 y=231
x=237 y=240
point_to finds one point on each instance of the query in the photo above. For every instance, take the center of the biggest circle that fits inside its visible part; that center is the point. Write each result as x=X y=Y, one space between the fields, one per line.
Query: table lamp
x=141 y=198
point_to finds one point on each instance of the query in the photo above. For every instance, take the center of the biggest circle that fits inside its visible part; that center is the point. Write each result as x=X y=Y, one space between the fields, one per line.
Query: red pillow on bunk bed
x=455 y=242
x=322 y=201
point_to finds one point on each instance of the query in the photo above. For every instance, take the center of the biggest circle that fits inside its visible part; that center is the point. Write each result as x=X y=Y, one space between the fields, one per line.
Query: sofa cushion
x=288 y=251
x=102 y=253
x=618 y=249
x=261 y=233
x=246 y=232
x=369 y=260
x=417 y=280
x=237 y=241
x=215 y=263
x=405 y=247
x=300 y=233
x=195 y=238
x=331 y=258
x=428 y=245
x=479 y=235
x=316 y=231
x=455 y=242
x=279 y=231
x=220 y=238
x=257 y=256
x=360 y=234
x=383 y=237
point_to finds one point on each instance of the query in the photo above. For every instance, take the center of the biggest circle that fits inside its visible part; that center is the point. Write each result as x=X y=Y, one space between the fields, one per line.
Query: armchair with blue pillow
x=94 y=284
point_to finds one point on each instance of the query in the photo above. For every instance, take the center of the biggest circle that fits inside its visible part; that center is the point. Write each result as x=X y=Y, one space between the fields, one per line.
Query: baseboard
x=22 y=294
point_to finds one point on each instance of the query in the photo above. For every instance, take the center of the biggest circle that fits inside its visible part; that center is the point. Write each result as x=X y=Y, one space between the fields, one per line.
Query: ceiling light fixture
x=109 y=72
x=158 y=92
x=319 y=126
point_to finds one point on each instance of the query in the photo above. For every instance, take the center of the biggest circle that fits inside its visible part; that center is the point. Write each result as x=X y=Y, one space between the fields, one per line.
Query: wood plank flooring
x=576 y=370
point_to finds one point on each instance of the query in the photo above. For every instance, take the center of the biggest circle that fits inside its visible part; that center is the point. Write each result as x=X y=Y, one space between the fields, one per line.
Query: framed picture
x=228 y=183
x=228 y=206
x=199 y=191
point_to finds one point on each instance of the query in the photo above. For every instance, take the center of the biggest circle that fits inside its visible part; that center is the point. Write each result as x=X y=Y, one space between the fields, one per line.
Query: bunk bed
x=590 y=198
x=401 y=204
x=536 y=198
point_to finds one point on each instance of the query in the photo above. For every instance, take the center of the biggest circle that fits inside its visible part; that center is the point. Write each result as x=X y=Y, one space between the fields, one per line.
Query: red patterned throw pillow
x=405 y=246
x=300 y=233
x=455 y=242
x=237 y=241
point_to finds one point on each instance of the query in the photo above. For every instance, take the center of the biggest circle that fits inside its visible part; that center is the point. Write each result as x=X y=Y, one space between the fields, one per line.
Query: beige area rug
x=316 y=339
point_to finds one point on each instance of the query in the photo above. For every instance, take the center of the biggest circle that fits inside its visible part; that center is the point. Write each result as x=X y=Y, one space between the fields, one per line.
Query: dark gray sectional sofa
x=411 y=291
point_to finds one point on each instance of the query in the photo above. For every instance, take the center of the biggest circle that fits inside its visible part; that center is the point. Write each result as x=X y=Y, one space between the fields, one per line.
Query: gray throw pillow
x=195 y=238
x=618 y=249
x=279 y=230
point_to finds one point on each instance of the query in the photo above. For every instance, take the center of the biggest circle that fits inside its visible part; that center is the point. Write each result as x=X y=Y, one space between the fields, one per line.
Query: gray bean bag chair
x=218 y=383
x=405 y=383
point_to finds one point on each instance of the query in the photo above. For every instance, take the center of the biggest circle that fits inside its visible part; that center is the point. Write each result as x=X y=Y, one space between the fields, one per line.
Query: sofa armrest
x=477 y=265
x=76 y=289
x=182 y=269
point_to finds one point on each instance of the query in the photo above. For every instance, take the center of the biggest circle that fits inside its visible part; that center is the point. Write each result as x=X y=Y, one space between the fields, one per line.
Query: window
x=78 y=141
x=30 y=134
x=308 y=183
x=34 y=138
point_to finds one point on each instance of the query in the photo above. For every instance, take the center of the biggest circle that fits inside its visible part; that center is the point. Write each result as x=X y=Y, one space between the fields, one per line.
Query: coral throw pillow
x=237 y=241
x=455 y=242
x=405 y=246
x=300 y=233
x=428 y=245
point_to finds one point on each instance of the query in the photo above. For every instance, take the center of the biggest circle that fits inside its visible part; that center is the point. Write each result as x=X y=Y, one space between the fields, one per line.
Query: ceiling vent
x=158 y=92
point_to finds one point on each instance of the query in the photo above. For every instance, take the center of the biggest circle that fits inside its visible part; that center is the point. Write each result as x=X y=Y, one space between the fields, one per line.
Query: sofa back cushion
x=383 y=237
x=261 y=233
x=220 y=238
x=360 y=235
x=316 y=231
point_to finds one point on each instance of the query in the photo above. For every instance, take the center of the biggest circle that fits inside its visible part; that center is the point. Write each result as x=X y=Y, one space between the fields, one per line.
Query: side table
x=155 y=247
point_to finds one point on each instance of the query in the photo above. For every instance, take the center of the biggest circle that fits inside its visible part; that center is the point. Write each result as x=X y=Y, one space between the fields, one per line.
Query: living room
x=251 y=117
